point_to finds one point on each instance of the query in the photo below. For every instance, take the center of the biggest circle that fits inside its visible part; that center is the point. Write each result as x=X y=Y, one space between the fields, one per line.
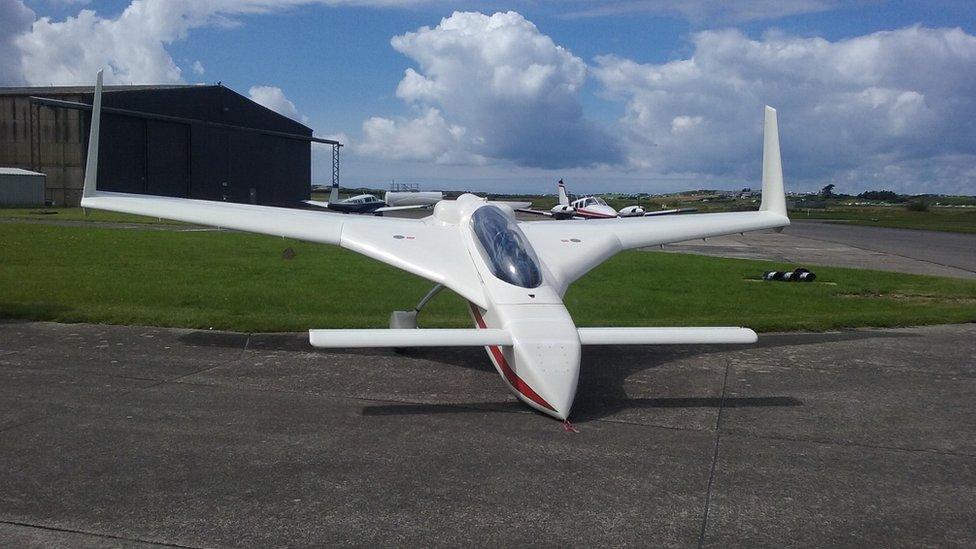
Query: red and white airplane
x=512 y=274
x=594 y=207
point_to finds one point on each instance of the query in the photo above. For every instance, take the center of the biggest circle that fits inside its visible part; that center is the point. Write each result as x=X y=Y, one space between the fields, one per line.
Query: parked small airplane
x=393 y=202
x=512 y=274
x=368 y=203
x=594 y=207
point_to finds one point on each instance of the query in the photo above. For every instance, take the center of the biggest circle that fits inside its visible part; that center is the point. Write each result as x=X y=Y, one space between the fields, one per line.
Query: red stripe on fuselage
x=513 y=379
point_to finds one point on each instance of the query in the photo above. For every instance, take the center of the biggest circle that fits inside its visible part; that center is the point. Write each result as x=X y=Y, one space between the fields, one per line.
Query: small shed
x=19 y=187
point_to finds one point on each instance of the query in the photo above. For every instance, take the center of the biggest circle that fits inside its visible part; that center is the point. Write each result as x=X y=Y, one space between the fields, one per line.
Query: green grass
x=76 y=214
x=241 y=282
x=957 y=220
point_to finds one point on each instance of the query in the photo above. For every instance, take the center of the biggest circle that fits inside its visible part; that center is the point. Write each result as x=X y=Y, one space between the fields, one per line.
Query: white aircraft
x=370 y=204
x=413 y=198
x=512 y=274
x=594 y=207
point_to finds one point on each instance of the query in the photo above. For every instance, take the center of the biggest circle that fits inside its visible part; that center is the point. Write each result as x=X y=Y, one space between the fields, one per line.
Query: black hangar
x=191 y=141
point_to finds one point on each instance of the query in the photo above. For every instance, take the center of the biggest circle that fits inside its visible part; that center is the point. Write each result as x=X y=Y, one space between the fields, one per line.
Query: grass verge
x=955 y=220
x=77 y=214
x=241 y=282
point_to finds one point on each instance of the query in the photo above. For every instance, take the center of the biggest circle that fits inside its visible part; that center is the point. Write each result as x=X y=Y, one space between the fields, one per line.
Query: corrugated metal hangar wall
x=205 y=142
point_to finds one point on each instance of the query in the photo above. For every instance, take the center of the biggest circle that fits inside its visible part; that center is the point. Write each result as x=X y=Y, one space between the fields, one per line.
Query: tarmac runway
x=124 y=436
x=810 y=243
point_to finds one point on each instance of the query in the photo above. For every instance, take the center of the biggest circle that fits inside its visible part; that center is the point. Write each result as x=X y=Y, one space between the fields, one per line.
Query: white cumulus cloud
x=15 y=19
x=885 y=109
x=427 y=137
x=274 y=98
x=703 y=10
x=130 y=46
x=490 y=87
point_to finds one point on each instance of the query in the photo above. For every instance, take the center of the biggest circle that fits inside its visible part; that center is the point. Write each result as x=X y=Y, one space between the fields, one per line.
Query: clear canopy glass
x=505 y=248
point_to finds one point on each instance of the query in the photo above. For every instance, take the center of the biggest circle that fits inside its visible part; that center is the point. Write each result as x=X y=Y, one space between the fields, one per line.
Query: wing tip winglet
x=91 y=163
x=773 y=192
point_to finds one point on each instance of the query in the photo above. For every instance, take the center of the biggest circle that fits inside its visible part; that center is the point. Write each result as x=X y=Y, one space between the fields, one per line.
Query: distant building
x=19 y=187
x=205 y=142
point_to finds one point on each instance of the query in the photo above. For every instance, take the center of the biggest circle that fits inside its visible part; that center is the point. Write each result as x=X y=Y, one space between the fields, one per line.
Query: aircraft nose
x=563 y=407
x=551 y=367
x=542 y=365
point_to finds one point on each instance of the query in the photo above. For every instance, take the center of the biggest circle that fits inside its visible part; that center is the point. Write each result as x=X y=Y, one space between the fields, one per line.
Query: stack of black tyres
x=796 y=275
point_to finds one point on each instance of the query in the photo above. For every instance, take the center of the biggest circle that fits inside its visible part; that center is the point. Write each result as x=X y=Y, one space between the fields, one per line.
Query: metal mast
x=335 y=163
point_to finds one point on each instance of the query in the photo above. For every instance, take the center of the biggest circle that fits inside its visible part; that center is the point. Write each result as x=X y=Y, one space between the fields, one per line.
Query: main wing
x=419 y=246
x=571 y=248
x=672 y=211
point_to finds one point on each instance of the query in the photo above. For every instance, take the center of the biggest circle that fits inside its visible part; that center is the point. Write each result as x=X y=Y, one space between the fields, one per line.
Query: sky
x=610 y=95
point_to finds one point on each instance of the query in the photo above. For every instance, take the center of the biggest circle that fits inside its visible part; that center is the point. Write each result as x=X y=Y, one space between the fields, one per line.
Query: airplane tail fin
x=563 y=197
x=773 y=194
x=334 y=193
x=91 y=164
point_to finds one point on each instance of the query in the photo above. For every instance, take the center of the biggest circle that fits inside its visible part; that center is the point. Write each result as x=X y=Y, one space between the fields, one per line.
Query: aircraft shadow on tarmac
x=601 y=391
x=605 y=370
x=602 y=382
x=589 y=413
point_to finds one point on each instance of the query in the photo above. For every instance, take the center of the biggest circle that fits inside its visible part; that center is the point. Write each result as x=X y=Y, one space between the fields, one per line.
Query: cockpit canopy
x=590 y=201
x=505 y=248
x=363 y=199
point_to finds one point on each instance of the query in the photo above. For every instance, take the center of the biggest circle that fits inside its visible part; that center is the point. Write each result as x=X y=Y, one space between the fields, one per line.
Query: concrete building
x=205 y=142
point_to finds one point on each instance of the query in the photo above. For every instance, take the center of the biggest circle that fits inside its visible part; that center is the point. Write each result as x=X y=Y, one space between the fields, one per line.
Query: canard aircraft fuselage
x=513 y=274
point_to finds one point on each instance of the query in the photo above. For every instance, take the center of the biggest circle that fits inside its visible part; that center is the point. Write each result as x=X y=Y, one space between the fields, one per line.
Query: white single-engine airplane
x=512 y=274
x=393 y=202
x=369 y=204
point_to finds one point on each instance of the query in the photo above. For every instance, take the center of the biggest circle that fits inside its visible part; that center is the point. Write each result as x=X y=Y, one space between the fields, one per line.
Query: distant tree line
x=918 y=203
x=879 y=196
x=884 y=196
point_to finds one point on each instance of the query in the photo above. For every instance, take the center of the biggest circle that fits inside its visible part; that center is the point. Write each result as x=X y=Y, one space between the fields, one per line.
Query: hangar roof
x=212 y=102
x=75 y=90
